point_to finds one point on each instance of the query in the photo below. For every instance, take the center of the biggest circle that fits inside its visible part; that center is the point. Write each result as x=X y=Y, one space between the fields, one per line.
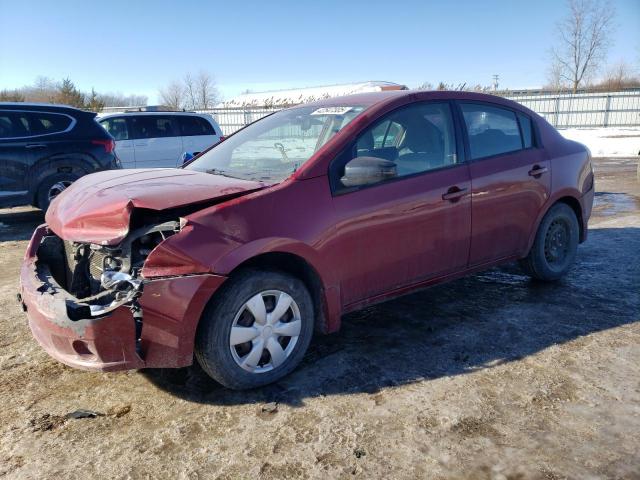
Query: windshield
x=273 y=148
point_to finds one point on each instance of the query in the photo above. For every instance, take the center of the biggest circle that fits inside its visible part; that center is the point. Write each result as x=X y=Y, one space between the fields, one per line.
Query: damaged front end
x=90 y=302
x=90 y=307
x=101 y=278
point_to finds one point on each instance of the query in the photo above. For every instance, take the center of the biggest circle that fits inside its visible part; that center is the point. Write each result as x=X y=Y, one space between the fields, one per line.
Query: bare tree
x=44 y=90
x=195 y=92
x=618 y=76
x=121 y=100
x=172 y=95
x=584 y=36
x=555 y=81
x=425 y=86
x=206 y=91
x=191 y=100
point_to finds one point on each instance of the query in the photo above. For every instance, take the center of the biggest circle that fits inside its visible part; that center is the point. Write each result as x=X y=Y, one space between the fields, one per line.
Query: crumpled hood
x=97 y=207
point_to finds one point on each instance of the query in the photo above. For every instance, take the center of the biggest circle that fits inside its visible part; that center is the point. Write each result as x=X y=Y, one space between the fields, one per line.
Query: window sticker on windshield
x=331 y=111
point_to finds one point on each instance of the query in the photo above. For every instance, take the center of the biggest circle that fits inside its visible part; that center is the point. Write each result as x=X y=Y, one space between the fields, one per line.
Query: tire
x=43 y=195
x=232 y=311
x=555 y=246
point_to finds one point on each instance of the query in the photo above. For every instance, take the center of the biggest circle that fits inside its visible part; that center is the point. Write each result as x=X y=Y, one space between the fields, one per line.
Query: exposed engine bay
x=102 y=278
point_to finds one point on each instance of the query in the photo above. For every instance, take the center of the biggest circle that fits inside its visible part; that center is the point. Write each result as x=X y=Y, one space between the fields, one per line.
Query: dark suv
x=44 y=148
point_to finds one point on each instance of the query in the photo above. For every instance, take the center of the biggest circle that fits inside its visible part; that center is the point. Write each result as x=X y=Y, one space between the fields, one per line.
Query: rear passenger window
x=117 y=127
x=192 y=126
x=46 y=123
x=153 y=126
x=31 y=124
x=525 y=128
x=491 y=130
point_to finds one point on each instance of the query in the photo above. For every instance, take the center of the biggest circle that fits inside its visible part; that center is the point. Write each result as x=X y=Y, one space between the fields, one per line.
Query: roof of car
x=372 y=98
x=53 y=107
x=166 y=112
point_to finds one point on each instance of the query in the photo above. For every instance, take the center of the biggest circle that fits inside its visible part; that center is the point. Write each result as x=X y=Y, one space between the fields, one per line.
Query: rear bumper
x=171 y=310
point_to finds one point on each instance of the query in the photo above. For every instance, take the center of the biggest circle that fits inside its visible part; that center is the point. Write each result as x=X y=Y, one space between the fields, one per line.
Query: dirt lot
x=491 y=376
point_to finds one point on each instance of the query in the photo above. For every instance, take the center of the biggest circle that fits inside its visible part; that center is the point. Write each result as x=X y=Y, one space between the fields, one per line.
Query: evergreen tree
x=68 y=94
x=95 y=104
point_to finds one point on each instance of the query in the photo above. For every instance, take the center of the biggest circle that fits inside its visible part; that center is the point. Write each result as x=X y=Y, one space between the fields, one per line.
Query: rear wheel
x=53 y=186
x=256 y=331
x=555 y=246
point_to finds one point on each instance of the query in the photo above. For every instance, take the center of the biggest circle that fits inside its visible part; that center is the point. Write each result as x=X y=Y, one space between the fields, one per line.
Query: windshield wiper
x=223 y=173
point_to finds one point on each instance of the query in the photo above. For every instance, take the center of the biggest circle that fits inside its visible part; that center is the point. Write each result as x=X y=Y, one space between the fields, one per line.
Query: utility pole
x=496 y=78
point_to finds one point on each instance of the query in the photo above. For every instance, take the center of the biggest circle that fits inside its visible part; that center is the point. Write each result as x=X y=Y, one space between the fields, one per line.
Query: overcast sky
x=139 y=46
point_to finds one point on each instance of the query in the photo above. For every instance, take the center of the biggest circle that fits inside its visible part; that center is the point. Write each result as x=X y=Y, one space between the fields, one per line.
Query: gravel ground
x=491 y=376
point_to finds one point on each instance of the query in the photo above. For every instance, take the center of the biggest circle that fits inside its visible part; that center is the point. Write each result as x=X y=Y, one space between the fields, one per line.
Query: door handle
x=537 y=170
x=454 y=194
x=36 y=145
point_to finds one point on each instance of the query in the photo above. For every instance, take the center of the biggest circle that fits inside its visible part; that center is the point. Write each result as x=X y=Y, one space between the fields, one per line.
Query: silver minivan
x=158 y=139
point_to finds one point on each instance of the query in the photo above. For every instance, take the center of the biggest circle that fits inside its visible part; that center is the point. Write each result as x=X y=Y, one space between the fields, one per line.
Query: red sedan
x=314 y=211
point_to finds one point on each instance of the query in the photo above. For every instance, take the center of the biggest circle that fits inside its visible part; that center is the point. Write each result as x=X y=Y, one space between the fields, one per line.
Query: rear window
x=45 y=123
x=15 y=124
x=117 y=127
x=192 y=126
x=491 y=130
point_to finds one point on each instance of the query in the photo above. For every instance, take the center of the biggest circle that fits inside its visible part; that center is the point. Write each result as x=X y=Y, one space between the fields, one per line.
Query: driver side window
x=414 y=139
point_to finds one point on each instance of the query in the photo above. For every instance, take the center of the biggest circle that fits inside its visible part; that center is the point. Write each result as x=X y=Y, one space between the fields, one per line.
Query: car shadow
x=19 y=223
x=471 y=324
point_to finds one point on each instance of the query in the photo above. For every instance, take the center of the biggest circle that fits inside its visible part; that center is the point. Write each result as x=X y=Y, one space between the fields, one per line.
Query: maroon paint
x=101 y=205
x=365 y=246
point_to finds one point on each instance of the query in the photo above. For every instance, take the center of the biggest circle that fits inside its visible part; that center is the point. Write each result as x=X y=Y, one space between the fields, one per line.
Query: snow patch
x=607 y=142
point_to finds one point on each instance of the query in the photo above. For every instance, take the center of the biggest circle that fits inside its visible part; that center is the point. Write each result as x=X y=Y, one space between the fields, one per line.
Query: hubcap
x=265 y=331
x=556 y=244
x=57 y=188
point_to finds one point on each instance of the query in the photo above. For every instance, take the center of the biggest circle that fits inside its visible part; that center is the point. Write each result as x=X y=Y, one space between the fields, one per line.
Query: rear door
x=157 y=140
x=197 y=133
x=510 y=180
x=15 y=158
x=120 y=129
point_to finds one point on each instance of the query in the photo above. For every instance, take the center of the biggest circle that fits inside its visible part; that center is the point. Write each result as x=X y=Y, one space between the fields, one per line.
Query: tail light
x=109 y=145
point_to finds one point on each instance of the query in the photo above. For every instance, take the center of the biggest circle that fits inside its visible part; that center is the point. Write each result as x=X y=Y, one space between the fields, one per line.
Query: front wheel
x=555 y=246
x=256 y=330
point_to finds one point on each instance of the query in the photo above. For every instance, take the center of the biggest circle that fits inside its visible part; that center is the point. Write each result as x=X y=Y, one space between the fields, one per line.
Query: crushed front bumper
x=171 y=308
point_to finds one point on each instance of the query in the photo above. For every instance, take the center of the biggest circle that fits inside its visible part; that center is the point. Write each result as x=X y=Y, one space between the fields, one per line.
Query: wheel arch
x=569 y=198
x=75 y=164
x=574 y=203
x=298 y=267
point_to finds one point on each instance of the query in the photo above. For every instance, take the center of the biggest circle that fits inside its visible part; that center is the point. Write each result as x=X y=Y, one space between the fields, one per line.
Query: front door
x=412 y=227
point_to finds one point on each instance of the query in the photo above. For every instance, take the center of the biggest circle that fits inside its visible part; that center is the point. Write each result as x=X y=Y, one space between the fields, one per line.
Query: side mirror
x=367 y=171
